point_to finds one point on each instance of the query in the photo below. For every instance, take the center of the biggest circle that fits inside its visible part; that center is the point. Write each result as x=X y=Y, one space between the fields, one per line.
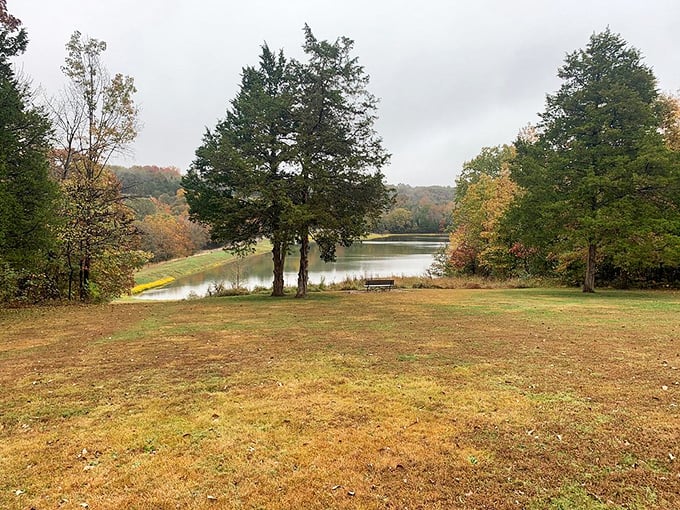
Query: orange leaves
x=167 y=236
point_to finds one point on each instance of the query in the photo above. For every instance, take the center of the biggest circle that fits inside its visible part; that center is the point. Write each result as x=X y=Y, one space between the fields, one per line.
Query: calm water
x=389 y=256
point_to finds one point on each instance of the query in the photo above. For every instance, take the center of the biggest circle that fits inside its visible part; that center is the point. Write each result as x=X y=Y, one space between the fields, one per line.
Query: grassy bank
x=191 y=265
x=471 y=399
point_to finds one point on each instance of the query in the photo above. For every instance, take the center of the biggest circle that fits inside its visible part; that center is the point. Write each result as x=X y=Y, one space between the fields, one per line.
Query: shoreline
x=162 y=273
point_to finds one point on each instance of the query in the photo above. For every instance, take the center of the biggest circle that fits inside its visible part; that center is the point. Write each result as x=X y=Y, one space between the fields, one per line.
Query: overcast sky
x=453 y=76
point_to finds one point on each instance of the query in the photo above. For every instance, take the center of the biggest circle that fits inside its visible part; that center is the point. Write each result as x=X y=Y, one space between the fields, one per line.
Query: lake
x=388 y=256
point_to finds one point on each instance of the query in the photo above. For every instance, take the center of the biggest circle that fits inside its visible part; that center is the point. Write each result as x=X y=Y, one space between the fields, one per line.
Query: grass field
x=431 y=399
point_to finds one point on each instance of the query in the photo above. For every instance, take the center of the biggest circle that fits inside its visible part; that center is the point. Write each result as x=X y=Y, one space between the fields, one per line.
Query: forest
x=590 y=193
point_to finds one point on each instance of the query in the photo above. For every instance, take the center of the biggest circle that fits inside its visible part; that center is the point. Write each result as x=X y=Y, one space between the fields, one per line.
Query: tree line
x=65 y=231
x=418 y=209
x=592 y=192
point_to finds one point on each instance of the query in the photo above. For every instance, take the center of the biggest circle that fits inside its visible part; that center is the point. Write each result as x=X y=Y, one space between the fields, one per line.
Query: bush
x=219 y=289
x=9 y=283
x=26 y=287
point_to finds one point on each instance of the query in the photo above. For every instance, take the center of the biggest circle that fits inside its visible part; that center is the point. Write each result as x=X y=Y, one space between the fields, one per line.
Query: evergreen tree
x=597 y=176
x=339 y=189
x=295 y=159
x=26 y=193
x=238 y=182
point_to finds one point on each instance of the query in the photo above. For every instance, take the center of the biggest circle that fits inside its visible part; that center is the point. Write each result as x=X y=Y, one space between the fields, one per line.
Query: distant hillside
x=421 y=209
x=425 y=209
x=148 y=181
x=161 y=211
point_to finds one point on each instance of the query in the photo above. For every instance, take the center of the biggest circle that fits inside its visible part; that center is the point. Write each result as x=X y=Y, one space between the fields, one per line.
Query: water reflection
x=389 y=256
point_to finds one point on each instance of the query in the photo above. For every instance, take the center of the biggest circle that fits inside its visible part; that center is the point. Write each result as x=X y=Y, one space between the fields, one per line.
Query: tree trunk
x=279 y=257
x=303 y=273
x=589 y=282
x=71 y=272
x=84 y=280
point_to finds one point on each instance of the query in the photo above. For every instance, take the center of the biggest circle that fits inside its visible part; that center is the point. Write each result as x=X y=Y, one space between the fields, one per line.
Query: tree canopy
x=26 y=194
x=596 y=180
x=296 y=157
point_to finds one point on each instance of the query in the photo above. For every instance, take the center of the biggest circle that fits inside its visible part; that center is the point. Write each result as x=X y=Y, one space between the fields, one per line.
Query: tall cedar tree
x=295 y=159
x=237 y=183
x=26 y=192
x=95 y=118
x=339 y=191
x=596 y=179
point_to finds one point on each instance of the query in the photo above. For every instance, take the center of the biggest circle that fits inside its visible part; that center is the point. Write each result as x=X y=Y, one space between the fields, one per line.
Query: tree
x=339 y=189
x=671 y=120
x=475 y=245
x=238 y=182
x=296 y=158
x=596 y=178
x=398 y=221
x=484 y=191
x=26 y=193
x=490 y=161
x=95 y=117
x=165 y=234
x=98 y=239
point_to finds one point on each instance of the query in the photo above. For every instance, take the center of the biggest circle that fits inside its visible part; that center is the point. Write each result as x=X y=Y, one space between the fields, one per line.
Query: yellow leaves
x=167 y=236
x=137 y=289
x=670 y=128
x=477 y=216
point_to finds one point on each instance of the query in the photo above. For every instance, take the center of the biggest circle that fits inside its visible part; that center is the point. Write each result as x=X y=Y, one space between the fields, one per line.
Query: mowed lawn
x=404 y=399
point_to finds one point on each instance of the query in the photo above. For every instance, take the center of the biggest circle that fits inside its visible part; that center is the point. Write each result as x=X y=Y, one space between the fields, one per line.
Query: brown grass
x=404 y=399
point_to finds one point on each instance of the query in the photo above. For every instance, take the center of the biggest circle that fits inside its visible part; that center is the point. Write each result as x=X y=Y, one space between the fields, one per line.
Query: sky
x=452 y=76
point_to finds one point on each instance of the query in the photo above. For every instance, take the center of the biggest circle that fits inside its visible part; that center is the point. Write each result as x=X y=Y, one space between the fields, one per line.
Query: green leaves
x=26 y=193
x=597 y=174
x=296 y=155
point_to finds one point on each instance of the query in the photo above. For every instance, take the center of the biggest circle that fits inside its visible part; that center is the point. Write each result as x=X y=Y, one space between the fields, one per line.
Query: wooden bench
x=379 y=284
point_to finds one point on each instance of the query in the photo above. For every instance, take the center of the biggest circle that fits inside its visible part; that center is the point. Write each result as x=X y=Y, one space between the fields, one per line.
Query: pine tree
x=26 y=193
x=339 y=190
x=238 y=182
x=295 y=159
x=596 y=179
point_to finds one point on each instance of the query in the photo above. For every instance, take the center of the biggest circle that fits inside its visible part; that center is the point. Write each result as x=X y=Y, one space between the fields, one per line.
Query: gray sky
x=452 y=76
